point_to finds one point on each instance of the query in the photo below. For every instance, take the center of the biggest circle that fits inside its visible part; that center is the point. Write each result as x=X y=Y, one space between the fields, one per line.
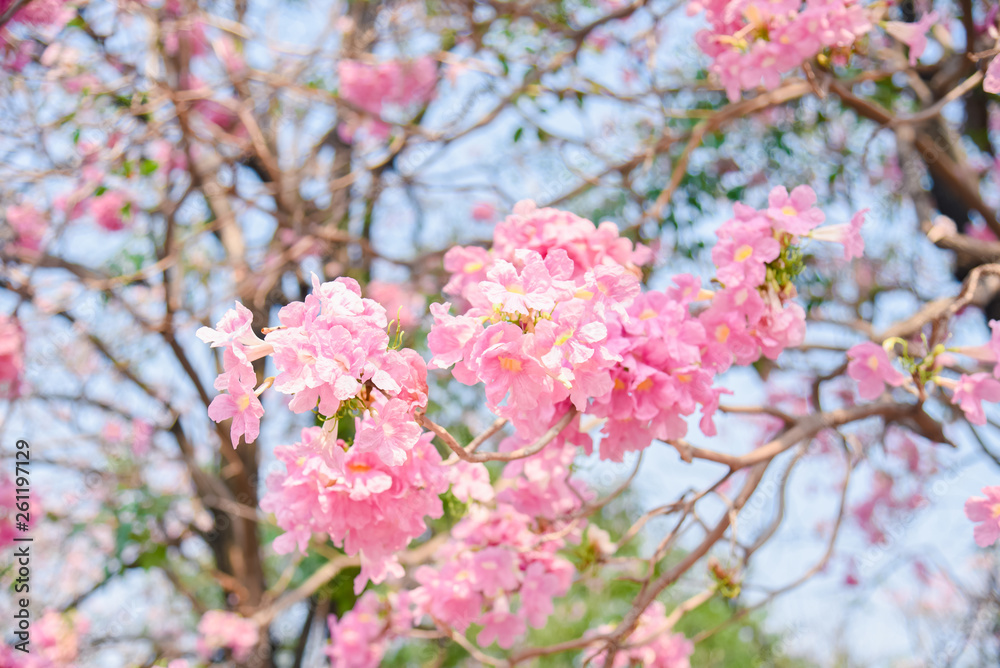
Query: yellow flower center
x=619 y=385
x=243 y=402
x=516 y=289
x=472 y=267
x=357 y=467
x=789 y=211
x=564 y=337
x=873 y=362
x=647 y=314
x=509 y=363
x=645 y=385
x=743 y=252
x=722 y=333
x=995 y=510
x=584 y=295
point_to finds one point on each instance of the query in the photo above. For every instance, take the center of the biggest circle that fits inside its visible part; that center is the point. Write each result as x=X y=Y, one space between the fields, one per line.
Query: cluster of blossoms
x=753 y=42
x=359 y=638
x=554 y=317
x=52 y=14
x=364 y=504
x=333 y=356
x=373 y=87
x=871 y=367
x=500 y=570
x=55 y=643
x=554 y=323
x=220 y=630
x=651 y=644
x=28 y=225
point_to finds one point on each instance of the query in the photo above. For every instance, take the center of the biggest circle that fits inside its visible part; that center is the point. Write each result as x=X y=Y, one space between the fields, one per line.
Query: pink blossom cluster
x=971 y=390
x=372 y=87
x=753 y=42
x=11 y=357
x=366 y=505
x=651 y=644
x=359 y=638
x=554 y=316
x=541 y=486
x=500 y=570
x=535 y=327
x=53 y=14
x=28 y=224
x=330 y=351
x=219 y=629
x=55 y=643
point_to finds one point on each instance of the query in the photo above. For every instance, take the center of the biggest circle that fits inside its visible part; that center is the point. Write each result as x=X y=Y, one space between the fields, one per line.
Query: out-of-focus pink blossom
x=991 y=84
x=109 y=210
x=985 y=511
x=219 y=629
x=29 y=224
x=848 y=234
x=12 y=341
x=913 y=35
x=483 y=212
x=970 y=393
x=652 y=643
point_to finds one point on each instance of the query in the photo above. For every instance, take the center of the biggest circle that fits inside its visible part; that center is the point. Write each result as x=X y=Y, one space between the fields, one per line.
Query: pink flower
x=519 y=292
x=870 y=366
x=12 y=342
x=400 y=301
x=495 y=571
x=795 y=213
x=500 y=625
x=235 y=326
x=652 y=644
x=52 y=13
x=142 y=437
x=243 y=406
x=471 y=481
x=991 y=84
x=743 y=253
x=364 y=505
x=110 y=210
x=28 y=224
x=985 y=510
x=359 y=638
x=369 y=87
x=483 y=212
x=537 y=590
x=506 y=368
x=971 y=391
x=390 y=433
x=848 y=234
x=226 y=630
x=913 y=35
